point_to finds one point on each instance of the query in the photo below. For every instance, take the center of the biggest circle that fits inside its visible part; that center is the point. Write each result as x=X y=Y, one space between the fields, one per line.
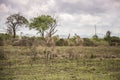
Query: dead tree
x=52 y=27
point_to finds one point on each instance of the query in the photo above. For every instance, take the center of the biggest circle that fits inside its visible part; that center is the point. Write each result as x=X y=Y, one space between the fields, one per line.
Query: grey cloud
x=88 y=6
x=79 y=7
x=3 y=1
x=104 y=11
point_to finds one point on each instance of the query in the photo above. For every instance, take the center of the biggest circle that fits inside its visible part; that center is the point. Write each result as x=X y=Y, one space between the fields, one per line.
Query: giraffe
x=50 y=41
x=78 y=40
x=50 y=53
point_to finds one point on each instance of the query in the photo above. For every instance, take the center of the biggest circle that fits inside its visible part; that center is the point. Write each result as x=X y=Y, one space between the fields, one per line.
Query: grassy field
x=59 y=63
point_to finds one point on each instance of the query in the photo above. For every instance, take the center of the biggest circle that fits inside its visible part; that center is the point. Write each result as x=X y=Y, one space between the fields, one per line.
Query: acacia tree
x=44 y=23
x=108 y=33
x=14 y=22
x=108 y=36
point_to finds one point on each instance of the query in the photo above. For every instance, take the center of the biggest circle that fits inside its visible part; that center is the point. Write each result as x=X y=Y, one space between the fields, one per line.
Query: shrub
x=1 y=42
x=100 y=42
x=61 y=42
x=88 y=42
x=95 y=37
x=2 y=55
x=114 y=41
x=22 y=42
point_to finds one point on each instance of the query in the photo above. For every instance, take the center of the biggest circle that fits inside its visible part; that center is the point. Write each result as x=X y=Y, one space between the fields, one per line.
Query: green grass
x=87 y=63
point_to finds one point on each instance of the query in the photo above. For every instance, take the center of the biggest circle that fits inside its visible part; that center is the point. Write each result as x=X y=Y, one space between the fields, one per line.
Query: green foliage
x=108 y=36
x=42 y=23
x=88 y=42
x=100 y=42
x=71 y=41
x=95 y=37
x=114 y=41
x=5 y=37
x=2 y=54
x=1 y=41
x=60 y=42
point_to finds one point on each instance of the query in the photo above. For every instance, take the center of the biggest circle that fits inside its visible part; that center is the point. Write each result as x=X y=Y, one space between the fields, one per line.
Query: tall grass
x=60 y=63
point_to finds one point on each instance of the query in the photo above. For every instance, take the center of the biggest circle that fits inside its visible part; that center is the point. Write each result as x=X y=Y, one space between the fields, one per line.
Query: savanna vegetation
x=49 y=57
x=60 y=63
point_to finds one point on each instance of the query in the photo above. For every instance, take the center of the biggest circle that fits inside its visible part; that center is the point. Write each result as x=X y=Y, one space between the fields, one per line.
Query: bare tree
x=52 y=27
x=14 y=22
x=9 y=30
x=52 y=30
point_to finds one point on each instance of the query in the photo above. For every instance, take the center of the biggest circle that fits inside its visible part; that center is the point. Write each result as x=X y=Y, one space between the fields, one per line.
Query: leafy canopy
x=42 y=23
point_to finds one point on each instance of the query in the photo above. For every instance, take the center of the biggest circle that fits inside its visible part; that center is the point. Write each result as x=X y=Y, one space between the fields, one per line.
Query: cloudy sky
x=74 y=16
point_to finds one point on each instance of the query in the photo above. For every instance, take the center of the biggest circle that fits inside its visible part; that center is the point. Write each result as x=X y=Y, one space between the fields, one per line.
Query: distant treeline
x=108 y=40
x=46 y=27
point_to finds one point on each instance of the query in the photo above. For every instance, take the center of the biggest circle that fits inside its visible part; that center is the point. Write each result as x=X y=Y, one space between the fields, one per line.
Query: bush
x=100 y=42
x=22 y=42
x=2 y=55
x=5 y=36
x=114 y=41
x=95 y=37
x=88 y=42
x=61 y=42
x=1 y=42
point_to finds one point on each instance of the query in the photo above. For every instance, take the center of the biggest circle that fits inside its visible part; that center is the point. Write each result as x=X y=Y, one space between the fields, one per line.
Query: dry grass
x=60 y=63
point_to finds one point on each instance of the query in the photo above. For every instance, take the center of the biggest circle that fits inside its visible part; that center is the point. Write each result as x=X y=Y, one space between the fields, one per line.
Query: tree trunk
x=14 y=33
x=42 y=34
x=50 y=34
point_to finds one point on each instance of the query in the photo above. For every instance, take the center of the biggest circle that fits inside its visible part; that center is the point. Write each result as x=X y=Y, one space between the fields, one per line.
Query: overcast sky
x=74 y=16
